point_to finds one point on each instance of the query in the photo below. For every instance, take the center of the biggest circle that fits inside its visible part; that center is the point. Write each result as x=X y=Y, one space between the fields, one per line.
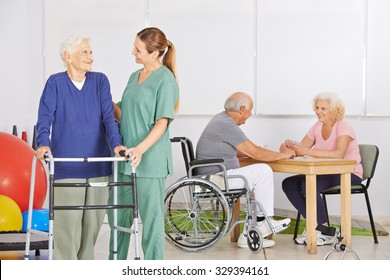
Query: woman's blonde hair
x=155 y=40
x=337 y=108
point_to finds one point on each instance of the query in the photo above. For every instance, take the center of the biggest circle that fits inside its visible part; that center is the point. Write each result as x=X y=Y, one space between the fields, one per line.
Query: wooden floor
x=285 y=249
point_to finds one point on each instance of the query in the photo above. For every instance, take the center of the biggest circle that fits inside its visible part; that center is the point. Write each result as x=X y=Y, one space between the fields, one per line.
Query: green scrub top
x=142 y=105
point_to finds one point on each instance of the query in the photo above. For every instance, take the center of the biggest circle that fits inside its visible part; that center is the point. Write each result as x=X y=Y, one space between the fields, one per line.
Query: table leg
x=345 y=197
x=311 y=214
x=235 y=233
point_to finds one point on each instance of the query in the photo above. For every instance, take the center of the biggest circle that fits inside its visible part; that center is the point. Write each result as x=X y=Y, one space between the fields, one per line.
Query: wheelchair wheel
x=255 y=240
x=196 y=214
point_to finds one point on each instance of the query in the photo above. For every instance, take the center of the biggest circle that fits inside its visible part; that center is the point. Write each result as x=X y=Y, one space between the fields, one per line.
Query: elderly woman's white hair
x=70 y=42
x=236 y=100
x=337 y=108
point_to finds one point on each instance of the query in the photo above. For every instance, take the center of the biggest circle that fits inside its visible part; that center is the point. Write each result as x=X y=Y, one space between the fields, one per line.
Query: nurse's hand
x=135 y=156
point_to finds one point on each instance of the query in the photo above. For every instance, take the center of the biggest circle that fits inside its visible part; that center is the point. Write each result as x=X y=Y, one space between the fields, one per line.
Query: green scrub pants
x=75 y=231
x=151 y=208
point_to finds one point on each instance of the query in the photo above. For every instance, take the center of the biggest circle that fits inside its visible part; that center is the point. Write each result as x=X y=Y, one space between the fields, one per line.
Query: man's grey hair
x=236 y=100
x=70 y=42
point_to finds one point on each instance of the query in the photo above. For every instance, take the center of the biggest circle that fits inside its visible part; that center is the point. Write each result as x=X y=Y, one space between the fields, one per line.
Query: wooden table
x=311 y=167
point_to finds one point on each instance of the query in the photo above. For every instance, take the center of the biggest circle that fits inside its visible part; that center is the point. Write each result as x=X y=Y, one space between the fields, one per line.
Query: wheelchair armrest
x=198 y=163
x=205 y=161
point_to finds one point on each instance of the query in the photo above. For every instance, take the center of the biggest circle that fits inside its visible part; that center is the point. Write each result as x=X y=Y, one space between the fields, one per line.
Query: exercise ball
x=10 y=214
x=15 y=171
x=39 y=219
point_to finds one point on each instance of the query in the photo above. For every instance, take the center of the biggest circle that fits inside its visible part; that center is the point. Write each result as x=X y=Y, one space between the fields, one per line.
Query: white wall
x=22 y=77
x=21 y=72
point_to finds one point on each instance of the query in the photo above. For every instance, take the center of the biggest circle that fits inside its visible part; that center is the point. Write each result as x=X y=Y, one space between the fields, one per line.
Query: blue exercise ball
x=40 y=219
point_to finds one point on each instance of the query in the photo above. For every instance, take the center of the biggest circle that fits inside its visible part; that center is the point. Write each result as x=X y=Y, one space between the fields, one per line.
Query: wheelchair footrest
x=281 y=227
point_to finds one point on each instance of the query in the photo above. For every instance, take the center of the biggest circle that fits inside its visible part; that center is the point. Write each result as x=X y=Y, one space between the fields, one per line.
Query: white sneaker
x=302 y=239
x=328 y=240
x=321 y=239
x=278 y=225
x=243 y=243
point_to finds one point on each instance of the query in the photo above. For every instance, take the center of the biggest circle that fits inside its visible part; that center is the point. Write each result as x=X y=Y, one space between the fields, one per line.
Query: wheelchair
x=199 y=209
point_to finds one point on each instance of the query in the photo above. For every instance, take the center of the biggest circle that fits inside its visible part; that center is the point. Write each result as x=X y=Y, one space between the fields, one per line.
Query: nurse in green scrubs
x=147 y=108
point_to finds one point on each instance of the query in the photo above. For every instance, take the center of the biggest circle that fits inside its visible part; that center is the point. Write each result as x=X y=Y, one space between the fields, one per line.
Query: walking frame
x=111 y=184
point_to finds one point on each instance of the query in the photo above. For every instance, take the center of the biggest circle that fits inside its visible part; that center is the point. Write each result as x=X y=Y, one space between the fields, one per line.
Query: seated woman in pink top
x=330 y=137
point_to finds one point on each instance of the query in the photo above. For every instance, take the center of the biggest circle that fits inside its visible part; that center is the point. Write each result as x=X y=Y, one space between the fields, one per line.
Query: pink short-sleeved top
x=340 y=128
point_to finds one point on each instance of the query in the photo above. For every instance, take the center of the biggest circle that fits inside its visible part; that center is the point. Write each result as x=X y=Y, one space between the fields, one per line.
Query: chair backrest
x=369 y=155
x=187 y=150
x=192 y=164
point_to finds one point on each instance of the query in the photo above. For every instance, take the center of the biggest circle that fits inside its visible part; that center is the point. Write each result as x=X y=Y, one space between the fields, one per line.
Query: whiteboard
x=306 y=47
x=111 y=26
x=214 y=41
x=378 y=58
x=280 y=52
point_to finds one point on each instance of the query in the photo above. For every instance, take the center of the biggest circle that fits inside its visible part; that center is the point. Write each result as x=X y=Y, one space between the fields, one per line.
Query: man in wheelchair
x=222 y=138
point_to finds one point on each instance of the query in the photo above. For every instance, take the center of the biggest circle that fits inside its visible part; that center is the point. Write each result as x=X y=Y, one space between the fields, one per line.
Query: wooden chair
x=369 y=155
